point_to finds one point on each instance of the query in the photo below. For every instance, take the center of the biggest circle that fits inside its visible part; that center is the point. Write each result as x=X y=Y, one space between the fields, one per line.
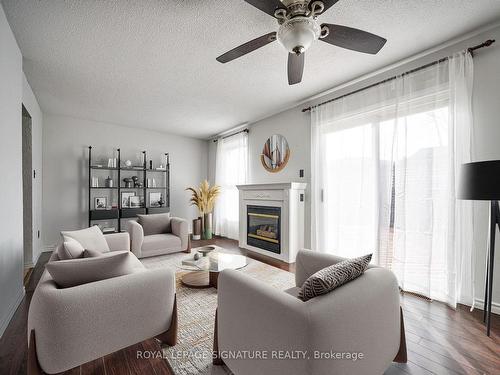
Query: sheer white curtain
x=231 y=170
x=385 y=164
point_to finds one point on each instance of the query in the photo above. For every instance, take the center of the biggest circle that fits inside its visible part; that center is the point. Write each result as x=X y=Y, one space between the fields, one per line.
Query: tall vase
x=202 y=218
x=207 y=226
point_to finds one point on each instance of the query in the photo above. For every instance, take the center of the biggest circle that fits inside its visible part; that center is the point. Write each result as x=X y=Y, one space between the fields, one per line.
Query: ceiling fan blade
x=267 y=6
x=248 y=47
x=354 y=39
x=295 y=68
x=327 y=3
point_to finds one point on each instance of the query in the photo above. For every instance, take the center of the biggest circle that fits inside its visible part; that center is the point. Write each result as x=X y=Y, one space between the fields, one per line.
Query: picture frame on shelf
x=134 y=201
x=154 y=199
x=125 y=198
x=100 y=203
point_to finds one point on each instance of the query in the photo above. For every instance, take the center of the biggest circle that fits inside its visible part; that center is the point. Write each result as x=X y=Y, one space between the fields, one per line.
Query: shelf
x=121 y=170
x=132 y=169
x=104 y=214
x=103 y=168
x=127 y=212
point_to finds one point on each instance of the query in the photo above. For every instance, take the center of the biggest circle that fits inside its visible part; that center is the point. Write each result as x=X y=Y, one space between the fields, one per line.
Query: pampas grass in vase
x=204 y=198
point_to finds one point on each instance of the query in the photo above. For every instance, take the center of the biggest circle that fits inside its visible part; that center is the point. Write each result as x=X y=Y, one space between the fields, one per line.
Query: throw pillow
x=90 y=238
x=329 y=278
x=73 y=272
x=92 y=253
x=70 y=249
x=155 y=223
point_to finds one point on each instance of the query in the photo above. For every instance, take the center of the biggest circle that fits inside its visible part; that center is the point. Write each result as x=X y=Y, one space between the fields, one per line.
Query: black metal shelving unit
x=118 y=213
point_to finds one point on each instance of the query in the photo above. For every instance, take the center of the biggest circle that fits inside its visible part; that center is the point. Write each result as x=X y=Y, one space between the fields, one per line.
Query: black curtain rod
x=230 y=135
x=471 y=50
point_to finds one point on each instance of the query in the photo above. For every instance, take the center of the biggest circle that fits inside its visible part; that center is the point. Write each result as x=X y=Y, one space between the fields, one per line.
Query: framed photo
x=154 y=199
x=134 y=201
x=100 y=203
x=125 y=198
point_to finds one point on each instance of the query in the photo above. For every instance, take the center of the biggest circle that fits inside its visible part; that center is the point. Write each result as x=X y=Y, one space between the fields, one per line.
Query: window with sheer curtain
x=385 y=164
x=231 y=169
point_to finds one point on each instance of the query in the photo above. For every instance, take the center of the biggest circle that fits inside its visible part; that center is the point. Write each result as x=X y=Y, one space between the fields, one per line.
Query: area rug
x=196 y=313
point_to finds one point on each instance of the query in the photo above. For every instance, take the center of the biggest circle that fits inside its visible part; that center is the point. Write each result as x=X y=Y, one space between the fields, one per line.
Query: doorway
x=27 y=194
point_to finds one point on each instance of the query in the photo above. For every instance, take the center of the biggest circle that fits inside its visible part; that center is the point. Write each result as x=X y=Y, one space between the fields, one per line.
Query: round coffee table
x=204 y=272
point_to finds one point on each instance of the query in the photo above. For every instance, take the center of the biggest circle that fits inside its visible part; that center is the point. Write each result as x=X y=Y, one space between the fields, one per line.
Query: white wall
x=65 y=167
x=31 y=104
x=295 y=126
x=486 y=99
x=11 y=215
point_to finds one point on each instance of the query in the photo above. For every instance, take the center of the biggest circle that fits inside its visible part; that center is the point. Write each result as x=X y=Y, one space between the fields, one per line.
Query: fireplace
x=263 y=227
x=272 y=219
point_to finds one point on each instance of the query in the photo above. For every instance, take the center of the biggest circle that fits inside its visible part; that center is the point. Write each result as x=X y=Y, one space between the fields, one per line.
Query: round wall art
x=275 y=153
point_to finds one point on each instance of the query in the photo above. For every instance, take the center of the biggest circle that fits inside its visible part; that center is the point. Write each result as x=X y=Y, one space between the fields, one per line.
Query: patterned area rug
x=196 y=309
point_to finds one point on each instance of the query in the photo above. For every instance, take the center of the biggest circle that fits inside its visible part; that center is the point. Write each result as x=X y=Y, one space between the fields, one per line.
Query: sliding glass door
x=385 y=164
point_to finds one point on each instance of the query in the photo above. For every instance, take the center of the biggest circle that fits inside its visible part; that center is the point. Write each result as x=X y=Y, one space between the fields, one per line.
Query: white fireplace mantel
x=290 y=197
x=274 y=186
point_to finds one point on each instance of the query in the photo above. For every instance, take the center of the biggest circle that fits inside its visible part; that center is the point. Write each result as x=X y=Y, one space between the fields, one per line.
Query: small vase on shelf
x=108 y=182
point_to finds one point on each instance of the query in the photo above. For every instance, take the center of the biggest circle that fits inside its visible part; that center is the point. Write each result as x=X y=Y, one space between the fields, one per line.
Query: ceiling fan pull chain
x=281 y=15
x=317 y=8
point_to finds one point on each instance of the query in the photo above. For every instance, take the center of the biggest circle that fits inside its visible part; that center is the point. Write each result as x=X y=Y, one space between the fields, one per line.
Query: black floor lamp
x=481 y=181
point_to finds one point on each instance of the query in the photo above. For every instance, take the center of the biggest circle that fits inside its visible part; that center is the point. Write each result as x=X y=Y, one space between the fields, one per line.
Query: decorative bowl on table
x=205 y=250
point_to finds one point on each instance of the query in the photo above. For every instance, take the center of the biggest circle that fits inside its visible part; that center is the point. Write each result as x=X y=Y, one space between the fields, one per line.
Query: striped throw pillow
x=331 y=277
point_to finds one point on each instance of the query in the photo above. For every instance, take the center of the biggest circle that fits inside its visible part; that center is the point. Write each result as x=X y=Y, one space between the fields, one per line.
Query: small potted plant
x=204 y=198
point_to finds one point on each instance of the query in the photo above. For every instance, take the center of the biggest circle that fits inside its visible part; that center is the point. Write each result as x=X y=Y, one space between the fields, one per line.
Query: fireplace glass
x=263 y=227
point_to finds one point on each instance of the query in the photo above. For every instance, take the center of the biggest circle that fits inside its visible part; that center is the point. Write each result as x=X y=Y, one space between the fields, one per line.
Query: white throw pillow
x=73 y=272
x=70 y=249
x=90 y=238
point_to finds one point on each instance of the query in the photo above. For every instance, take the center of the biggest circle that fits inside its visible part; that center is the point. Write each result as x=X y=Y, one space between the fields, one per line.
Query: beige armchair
x=362 y=317
x=68 y=327
x=158 y=234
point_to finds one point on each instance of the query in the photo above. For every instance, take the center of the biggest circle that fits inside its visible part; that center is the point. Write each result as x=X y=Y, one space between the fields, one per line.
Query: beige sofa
x=158 y=234
x=68 y=327
x=362 y=316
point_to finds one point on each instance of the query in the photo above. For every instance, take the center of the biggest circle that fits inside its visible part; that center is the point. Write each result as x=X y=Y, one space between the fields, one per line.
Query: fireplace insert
x=264 y=227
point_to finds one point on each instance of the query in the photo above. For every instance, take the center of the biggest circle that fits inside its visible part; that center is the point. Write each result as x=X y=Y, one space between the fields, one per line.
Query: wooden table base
x=200 y=279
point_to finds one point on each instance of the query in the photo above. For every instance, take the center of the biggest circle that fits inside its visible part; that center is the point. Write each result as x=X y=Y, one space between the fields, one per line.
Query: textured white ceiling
x=152 y=64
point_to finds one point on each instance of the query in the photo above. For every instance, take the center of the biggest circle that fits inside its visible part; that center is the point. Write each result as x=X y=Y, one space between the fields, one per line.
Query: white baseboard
x=495 y=306
x=35 y=261
x=5 y=321
x=48 y=248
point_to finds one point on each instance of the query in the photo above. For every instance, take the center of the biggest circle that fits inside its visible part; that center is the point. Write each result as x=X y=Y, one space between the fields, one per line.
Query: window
x=231 y=170
x=384 y=164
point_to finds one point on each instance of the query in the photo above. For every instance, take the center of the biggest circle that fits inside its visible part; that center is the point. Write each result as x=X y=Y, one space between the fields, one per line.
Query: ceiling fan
x=298 y=29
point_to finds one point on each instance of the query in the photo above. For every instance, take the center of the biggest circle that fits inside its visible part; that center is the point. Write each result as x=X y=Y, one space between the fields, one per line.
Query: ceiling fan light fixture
x=297 y=34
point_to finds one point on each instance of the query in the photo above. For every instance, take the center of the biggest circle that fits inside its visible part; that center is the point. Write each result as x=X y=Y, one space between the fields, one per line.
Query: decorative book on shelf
x=119 y=190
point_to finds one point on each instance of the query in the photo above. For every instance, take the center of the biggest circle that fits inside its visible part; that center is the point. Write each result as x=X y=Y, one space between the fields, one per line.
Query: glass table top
x=212 y=260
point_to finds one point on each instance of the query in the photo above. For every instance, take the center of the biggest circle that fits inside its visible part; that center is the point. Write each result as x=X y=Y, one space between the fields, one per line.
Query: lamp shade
x=480 y=181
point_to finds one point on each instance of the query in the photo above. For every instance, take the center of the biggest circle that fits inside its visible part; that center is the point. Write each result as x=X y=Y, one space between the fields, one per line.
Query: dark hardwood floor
x=439 y=340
